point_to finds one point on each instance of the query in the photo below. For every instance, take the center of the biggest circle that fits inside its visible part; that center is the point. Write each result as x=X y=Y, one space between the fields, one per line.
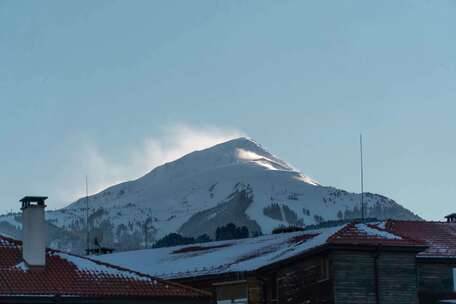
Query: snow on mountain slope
x=236 y=181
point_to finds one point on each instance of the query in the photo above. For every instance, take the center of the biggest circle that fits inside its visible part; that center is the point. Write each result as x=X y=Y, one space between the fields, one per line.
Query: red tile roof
x=71 y=275
x=371 y=234
x=439 y=236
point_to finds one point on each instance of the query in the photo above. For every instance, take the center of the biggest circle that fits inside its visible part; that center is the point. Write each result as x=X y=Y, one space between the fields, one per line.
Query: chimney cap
x=34 y=199
x=449 y=216
x=28 y=200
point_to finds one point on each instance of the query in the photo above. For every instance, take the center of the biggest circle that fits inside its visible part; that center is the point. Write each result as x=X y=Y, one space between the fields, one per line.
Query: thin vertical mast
x=145 y=235
x=362 y=177
x=87 y=215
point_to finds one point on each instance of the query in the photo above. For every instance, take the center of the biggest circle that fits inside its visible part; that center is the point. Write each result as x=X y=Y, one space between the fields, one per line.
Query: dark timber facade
x=437 y=264
x=437 y=280
x=351 y=270
x=335 y=275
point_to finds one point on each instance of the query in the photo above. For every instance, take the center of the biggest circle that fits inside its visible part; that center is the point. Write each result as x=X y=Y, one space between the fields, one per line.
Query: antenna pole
x=87 y=214
x=362 y=176
x=145 y=235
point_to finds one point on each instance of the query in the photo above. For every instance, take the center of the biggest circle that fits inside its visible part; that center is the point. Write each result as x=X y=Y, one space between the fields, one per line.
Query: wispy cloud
x=103 y=171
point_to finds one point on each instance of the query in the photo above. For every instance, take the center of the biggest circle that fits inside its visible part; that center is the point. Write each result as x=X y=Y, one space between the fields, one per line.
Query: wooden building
x=437 y=264
x=348 y=264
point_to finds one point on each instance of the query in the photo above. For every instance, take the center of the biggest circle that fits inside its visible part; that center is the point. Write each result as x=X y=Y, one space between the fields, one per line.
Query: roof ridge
x=392 y=231
x=352 y=225
x=339 y=232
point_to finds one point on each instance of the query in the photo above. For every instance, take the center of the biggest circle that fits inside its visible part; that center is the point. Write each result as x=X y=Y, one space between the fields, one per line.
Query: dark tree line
x=286 y=229
x=231 y=232
x=227 y=232
x=175 y=239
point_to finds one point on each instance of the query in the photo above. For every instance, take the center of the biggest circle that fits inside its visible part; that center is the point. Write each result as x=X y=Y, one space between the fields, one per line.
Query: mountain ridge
x=236 y=181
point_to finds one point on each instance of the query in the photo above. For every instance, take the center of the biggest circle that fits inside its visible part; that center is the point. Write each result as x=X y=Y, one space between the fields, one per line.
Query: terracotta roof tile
x=357 y=233
x=72 y=275
x=439 y=236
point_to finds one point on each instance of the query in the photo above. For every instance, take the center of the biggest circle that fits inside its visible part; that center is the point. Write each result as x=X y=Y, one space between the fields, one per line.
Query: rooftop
x=252 y=253
x=72 y=275
x=439 y=236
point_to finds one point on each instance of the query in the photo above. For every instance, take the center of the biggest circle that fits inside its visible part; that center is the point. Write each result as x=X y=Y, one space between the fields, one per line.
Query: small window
x=231 y=293
x=324 y=269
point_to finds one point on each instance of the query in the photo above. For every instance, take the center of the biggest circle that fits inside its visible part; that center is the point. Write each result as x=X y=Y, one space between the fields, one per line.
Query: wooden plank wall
x=435 y=281
x=354 y=277
x=398 y=278
x=353 y=274
x=305 y=282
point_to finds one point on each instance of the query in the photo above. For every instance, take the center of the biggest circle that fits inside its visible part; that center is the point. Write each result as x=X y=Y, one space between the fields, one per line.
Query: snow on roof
x=72 y=275
x=370 y=231
x=87 y=265
x=215 y=257
x=246 y=254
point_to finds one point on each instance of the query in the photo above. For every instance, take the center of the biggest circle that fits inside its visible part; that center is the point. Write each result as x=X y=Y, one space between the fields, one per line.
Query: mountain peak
x=246 y=149
x=236 y=152
x=239 y=150
x=241 y=141
x=236 y=143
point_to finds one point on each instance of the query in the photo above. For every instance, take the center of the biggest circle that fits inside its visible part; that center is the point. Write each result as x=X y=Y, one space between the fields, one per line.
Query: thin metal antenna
x=87 y=214
x=362 y=176
x=146 y=237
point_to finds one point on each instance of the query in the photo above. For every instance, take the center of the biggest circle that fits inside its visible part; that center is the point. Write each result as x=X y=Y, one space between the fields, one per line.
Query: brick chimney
x=451 y=218
x=34 y=230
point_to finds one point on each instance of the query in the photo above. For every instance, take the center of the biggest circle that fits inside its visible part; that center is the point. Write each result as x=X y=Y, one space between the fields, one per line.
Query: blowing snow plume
x=174 y=142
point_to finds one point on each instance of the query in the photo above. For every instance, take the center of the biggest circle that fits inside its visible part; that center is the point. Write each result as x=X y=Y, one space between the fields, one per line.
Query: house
x=437 y=264
x=350 y=263
x=32 y=273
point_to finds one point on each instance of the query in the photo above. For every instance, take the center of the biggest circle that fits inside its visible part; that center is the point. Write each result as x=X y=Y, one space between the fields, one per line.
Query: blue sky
x=110 y=88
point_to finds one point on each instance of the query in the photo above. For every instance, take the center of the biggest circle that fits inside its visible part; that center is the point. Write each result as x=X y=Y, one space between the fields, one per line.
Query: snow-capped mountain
x=237 y=181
